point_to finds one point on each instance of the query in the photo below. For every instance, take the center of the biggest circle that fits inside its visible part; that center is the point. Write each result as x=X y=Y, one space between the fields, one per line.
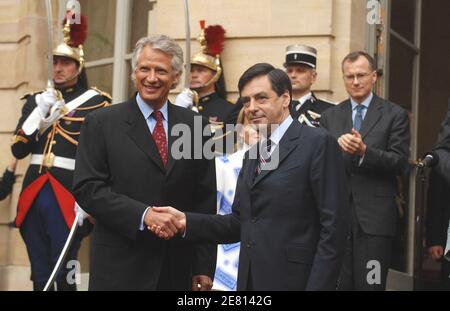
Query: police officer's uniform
x=309 y=108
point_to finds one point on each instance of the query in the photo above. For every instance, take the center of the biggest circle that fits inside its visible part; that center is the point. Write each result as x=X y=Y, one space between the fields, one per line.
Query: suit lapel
x=285 y=147
x=249 y=166
x=140 y=133
x=372 y=116
x=173 y=119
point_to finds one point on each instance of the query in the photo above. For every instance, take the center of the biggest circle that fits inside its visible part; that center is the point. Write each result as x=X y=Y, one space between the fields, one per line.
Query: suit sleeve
x=329 y=186
x=442 y=148
x=91 y=184
x=393 y=159
x=205 y=198
x=324 y=121
x=217 y=229
x=437 y=221
x=22 y=144
x=444 y=133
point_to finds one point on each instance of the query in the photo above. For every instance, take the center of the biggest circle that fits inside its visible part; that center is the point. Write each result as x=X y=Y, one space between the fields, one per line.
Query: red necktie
x=159 y=135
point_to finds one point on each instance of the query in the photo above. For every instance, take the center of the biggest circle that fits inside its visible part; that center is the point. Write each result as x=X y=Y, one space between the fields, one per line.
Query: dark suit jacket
x=438 y=210
x=291 y=221
x=372 y=185
x=442 y=148
x=118 y=174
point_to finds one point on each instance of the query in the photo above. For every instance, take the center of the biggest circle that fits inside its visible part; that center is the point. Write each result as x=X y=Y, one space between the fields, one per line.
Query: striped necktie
x=264 y=155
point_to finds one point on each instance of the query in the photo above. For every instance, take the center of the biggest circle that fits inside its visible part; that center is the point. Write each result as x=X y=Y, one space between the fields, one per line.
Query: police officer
x=300 y=66
x=49 y=130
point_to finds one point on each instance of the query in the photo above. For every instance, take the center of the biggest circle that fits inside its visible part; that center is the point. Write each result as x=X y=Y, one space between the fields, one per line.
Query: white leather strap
x=77 y=102
x=60 y=162
x=31 y=124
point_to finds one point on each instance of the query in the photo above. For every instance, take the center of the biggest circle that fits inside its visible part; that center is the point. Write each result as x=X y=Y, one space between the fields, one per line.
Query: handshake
x=165 y=222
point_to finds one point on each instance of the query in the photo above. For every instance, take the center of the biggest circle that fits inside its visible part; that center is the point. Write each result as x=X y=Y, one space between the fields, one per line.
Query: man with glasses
x=373 y=134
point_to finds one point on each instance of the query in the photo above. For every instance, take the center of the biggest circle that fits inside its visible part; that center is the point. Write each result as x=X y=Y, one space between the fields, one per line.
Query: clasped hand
x=165 y=222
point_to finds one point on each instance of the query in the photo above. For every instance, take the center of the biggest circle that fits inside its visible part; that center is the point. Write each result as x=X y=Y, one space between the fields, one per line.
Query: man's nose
x=151 y=77
x=355 y=80
x=57 y=66
x=252 y=105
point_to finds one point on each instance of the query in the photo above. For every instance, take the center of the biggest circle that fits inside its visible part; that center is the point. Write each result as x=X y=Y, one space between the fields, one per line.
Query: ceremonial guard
x=49 y=130
x=301 y=61
x=207 y=92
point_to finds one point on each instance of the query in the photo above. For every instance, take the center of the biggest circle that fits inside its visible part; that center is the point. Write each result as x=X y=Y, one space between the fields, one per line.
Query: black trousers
x=366 y=261
x=445 y=274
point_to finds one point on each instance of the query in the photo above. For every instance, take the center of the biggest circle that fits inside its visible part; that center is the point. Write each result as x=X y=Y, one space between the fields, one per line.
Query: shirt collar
x=276 y=136
x=304 y=98
x=365 y=103
x=147 y=110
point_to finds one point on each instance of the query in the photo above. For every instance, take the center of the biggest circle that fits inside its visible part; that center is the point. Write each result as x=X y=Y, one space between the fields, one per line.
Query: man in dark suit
x=438 y=216
x=301 y=62
x=374 y=137
x=290 y=210
x=442 y=148
x=438 y=211
x=125 y=165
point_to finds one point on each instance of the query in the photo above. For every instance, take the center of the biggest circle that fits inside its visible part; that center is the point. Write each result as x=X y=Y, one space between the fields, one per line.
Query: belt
x=60 y=162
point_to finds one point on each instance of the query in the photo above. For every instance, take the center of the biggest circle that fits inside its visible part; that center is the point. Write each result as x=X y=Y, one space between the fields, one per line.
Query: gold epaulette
x=107 y=95
x=18 y=138
x=30 y=94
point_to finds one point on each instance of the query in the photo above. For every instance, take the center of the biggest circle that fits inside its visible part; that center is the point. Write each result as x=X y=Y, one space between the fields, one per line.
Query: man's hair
x=279 y=80
x=353 y=56
x=162 y=43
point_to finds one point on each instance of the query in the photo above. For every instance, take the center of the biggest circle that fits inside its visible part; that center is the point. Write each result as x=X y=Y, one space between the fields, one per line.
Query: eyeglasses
x=358 y=76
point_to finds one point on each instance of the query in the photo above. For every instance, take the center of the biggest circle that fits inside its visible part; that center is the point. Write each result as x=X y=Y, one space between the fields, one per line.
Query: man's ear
x=286 y=99
x=374 y=76
x=314 y=76
x=176 y=80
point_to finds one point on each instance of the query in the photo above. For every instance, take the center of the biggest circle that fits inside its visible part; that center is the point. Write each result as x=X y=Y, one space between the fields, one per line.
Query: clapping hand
x=352 y=143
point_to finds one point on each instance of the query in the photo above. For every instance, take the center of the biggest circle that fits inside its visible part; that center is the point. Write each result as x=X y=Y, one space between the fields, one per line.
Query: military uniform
x=46 y=206
x=311 y=109
x=6 y=184
x=309 y=113
x=216 y=109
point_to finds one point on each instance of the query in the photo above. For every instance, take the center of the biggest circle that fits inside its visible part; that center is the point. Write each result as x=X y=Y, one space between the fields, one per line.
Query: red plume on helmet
x=78 y=31
x=215 y=38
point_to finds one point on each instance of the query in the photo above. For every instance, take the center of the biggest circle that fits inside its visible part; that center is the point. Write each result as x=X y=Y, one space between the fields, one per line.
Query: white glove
x=83 y=214
x=56 y=113
x=185 y=99
x=45 y=101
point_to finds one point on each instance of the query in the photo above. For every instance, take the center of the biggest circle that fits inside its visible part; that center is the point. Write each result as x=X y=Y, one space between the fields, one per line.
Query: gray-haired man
x=124 y=167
